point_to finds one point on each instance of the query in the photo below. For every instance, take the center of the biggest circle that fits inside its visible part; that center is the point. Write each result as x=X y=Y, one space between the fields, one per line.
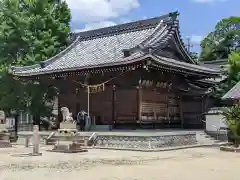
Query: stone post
x=36 y=140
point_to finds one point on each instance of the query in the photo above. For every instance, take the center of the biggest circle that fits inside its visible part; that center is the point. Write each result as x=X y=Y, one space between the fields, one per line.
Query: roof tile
x=233 y=93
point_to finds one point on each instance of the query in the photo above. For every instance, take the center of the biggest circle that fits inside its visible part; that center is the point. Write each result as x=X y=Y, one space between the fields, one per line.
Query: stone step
x=206 y=139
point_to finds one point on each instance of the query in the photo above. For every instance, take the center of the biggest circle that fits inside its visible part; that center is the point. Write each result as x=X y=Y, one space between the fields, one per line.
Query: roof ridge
x=182 y=45
x=214 y=61
x=123 y=28
x=158 y=31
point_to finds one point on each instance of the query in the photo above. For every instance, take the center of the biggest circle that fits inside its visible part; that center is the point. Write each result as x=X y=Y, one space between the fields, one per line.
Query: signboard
x=95 y=88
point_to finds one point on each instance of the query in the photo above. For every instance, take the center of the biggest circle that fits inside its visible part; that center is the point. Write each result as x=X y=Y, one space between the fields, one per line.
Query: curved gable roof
x=104 y=47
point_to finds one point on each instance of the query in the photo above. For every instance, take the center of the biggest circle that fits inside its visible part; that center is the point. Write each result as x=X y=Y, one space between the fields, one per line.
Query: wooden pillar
x=181 y=111
x=206 y=98
x=202 y=111
x=59 y=117
x=113 y=106
x=154 y=106
x=138 y=98
x=168 y=119
x=139 y=103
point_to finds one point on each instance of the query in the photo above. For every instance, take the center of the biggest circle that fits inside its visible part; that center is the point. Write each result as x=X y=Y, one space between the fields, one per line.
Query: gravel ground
x=196 y=163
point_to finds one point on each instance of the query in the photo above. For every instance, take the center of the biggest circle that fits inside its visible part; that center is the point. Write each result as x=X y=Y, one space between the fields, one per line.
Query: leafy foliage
x=222 y=41
x=30 y=31
x=232 y=118
x=234 y=64
x=232 y=115
x=233 y=75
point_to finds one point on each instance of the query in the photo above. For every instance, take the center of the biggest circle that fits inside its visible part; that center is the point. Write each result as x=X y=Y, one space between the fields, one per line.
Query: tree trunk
x=230 y=136
x=36 y=121
x=16 y=126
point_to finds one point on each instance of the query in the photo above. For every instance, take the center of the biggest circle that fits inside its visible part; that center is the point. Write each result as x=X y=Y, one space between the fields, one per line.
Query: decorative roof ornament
x=150 y=50
x=174 y=15
x=42 y=64
x=126 y=53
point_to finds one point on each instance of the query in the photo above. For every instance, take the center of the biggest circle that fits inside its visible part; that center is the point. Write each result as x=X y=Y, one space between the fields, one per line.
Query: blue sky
x=197 y=17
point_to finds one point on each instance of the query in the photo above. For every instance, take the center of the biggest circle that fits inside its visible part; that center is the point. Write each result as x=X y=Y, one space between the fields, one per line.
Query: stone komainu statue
x=67 y=116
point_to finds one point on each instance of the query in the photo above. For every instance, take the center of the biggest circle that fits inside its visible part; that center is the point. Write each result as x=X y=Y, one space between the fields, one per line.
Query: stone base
x=145 y=142
x=4 y=140
x=3 y=128
x=68 y=148
x=67 y=131
x=230 y=149
x=68 y=125
x=67 y=128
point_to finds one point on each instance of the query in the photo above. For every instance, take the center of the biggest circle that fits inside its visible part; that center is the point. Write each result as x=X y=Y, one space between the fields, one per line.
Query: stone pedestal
x=67 y=139
x=4 y=140
x=68 y=147
x=67 y=128
x=3 y=128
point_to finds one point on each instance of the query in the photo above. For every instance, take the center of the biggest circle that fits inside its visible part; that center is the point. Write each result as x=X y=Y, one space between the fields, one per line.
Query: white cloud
x=196 y=39
x=87 y=11
x=97 y=25
x=208 y=1
x=124 y=20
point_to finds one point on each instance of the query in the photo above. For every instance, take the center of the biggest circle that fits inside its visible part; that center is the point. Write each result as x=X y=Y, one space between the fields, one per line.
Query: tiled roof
x=92 y=53
x=104 y=47
x=220 y=64
x=185 y=66
x=233 y=93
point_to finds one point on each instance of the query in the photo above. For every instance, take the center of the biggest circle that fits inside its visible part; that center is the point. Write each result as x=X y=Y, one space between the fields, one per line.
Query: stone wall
x=145 y=142
x=215 y=120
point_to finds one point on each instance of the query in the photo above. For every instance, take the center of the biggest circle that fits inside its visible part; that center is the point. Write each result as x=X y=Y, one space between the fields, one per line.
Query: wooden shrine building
x=138 y=74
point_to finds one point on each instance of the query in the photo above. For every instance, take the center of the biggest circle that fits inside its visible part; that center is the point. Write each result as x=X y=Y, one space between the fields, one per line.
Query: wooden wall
x=160 y=106
x=117 y=104
x=125 y=101
x=126 y=105
x=101 y=106
x=192 y=110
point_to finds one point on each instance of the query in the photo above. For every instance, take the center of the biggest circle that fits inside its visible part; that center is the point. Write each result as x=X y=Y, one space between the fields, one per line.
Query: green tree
x=222 y=41
x=232 y=118
x=233 y=74
x=30 y=31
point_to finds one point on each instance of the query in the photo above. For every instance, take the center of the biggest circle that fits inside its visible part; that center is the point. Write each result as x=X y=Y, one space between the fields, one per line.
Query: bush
x=232 y=117
x=237 y=129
